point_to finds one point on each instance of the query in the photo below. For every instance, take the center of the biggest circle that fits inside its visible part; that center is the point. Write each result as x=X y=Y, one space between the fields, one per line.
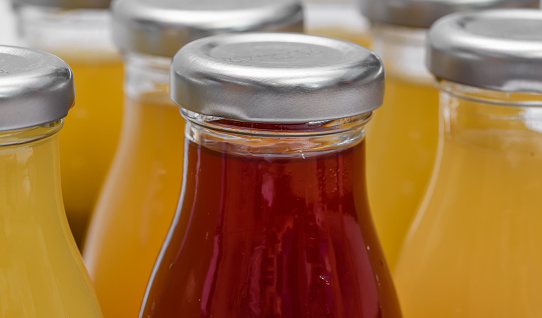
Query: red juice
x=270 y=236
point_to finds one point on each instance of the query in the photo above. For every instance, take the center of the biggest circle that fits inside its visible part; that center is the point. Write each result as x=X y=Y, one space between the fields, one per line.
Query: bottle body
x=42 y=272
x=402 y=135
x=139 y=197
x=336 y=18
x=82 y=39
x=269 y=226
x=472 y=251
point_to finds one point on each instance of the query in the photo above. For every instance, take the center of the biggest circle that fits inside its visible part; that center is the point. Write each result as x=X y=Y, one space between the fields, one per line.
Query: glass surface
x=271 y=226
x=402 y=136
x=41 y=271
x=339 y=19
x=89 y=139
x=474 y=248
x=138 y=200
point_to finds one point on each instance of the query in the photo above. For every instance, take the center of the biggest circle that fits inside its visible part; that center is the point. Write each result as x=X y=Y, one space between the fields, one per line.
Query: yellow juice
x=474 y=249
x=41 y=271
x=401 y=147
x=136 y=205
x=89 y=137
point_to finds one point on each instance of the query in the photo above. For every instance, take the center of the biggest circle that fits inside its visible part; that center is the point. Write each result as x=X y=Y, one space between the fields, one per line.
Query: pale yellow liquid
x=401 y=148
x=475 y=248
x=136 y=205
x=41 y=272
x=90 y=135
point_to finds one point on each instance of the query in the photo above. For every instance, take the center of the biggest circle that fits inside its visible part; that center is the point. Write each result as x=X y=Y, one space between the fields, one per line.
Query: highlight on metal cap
x=66 y=4
x=498 y=49
x=36 y=88
x=423 y=13
x=162 y=27
x=277 y=77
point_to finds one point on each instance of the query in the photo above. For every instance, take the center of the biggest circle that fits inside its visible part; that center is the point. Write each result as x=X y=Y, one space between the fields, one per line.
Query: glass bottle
x=79 y=32
x=41 y=271
x=7 y=24
x=273 y=218
x=336 y=18
x=138 y=201
x=473 y=250
x=403 y=134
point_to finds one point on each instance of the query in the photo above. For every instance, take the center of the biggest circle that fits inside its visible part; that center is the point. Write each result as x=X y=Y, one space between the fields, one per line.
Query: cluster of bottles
x=256 y=199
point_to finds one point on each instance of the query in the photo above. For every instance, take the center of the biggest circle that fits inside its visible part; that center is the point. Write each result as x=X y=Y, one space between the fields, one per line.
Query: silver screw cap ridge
x=66 y=4
x=423 y=13
x=493 y=49
x=35 y=88
x=162 y=27
x=277 y=77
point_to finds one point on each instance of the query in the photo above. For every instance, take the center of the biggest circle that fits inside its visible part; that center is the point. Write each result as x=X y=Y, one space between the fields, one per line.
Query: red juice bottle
x=273 y=219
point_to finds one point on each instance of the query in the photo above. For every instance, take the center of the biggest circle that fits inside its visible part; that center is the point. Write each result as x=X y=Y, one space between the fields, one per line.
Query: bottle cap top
x=277 y=77
x=423 y=13
x=498 y=49
x=35 y=88
x=162 y=27
x=67 y=4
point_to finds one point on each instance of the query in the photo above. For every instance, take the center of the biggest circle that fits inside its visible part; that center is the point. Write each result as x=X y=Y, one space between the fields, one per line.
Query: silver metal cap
x=35 y=88
x=277 y=77
x=66 y=4
x=162 y=27
x=423 y=13
x=494 y=49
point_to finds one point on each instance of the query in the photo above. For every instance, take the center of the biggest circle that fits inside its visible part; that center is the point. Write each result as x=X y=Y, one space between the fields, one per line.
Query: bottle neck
x=29 y=166
x=81 y=35
x=402 y=50
x=500 y=122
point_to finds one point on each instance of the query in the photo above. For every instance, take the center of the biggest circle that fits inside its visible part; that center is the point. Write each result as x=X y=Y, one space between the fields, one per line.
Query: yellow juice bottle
x=402 y=137
x=41 y=271
x=473 y=250
x=88 y=141
x=140 y=194
x=338 y=19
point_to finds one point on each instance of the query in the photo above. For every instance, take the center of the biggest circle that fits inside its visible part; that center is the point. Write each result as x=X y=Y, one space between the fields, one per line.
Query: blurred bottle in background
x=402 y=137
x=336 y=18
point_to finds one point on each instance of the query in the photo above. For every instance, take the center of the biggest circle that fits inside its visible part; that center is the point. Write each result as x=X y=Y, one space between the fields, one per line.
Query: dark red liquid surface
x=272 y=237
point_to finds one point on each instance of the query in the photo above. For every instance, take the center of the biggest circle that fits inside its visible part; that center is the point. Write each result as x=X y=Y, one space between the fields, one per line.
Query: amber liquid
x=136 y=205
x=89 y=137
x=272 y=237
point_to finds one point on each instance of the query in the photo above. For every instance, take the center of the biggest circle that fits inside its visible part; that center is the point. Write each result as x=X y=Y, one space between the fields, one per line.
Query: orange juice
x=401 y=147
x=89 y=138
x=402 y=136
x=474 y=250
x=87 y=144
x=137 y=204
x=41 y=271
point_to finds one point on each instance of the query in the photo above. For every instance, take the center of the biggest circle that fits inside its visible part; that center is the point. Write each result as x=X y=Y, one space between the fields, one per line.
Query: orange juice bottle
x=336 y=18
x=79 y=32
x=403 y=134
x=138 y=201
x=41 y=271
x=474 y=248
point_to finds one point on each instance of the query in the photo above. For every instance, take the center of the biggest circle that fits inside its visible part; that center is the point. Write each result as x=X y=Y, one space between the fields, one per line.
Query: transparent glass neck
x=80 y=33
x=265 y=139
x=402 y=50
x=147 y=77
x=495 y=120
